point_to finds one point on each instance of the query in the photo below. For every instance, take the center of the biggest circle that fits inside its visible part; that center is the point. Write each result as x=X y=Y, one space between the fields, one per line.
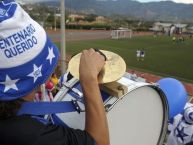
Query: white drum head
x=137 y=119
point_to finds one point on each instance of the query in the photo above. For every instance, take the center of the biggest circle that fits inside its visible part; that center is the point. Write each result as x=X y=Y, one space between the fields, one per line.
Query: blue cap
x=27 y=55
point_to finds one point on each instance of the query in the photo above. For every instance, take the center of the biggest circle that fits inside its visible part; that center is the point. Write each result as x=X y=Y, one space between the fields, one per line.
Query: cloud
x=177 y=1
x=184 y=1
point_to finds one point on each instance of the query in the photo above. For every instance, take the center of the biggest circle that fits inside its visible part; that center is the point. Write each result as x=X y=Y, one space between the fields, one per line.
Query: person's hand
x=91 y=63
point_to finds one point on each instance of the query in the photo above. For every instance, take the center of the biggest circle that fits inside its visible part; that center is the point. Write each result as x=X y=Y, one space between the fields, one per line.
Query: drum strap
x=45 y=108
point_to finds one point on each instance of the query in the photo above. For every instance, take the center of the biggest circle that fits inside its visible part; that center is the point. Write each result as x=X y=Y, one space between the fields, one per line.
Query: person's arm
x=91 y=63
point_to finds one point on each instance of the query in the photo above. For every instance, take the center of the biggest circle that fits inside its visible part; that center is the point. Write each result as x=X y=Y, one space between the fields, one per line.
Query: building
x=76 y=17
x=169 y=28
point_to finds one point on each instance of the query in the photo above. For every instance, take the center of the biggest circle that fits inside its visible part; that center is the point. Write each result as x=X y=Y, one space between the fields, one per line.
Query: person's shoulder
x=20 y=130
x=34 y=131
x=190 y=143
x=20 y=122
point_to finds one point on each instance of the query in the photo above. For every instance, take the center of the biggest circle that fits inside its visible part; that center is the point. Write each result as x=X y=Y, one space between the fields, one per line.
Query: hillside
x=160 y=11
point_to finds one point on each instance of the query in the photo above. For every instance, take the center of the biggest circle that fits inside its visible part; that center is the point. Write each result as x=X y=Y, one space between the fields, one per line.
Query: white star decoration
x=36 y=73
x=50 y=55
x=9 y=84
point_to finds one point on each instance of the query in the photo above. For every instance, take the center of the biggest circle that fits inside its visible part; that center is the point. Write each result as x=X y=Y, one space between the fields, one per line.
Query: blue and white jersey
x=181 y=131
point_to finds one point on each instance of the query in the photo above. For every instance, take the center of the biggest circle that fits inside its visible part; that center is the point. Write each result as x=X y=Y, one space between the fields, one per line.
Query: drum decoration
x=175 y=93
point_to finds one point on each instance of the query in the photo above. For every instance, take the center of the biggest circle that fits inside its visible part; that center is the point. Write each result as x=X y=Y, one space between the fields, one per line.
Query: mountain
x=162 y=11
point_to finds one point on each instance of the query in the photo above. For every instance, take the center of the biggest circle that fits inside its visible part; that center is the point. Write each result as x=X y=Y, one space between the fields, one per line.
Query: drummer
x=27 y=59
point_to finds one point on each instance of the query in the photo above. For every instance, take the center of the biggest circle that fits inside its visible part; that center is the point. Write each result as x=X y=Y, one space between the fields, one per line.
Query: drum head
x=139 y=118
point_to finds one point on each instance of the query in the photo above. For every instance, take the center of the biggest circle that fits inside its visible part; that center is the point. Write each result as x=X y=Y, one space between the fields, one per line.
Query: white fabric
x=179 y=124
x=138 y=53
x=9 y=31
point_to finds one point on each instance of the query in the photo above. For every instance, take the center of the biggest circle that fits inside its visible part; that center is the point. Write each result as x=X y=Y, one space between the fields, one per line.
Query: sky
x=177 y=1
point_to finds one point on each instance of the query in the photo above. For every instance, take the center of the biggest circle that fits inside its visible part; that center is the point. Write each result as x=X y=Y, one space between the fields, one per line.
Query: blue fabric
x=7 y=9
x=44 y=108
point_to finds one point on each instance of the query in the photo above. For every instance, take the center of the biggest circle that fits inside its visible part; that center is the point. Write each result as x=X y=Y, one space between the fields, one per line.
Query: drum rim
x=165 y=114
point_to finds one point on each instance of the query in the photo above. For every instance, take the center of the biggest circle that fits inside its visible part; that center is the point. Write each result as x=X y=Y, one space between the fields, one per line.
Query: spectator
x=28 y=58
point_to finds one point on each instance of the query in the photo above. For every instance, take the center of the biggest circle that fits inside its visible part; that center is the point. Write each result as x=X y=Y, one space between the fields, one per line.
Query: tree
x=90 y=17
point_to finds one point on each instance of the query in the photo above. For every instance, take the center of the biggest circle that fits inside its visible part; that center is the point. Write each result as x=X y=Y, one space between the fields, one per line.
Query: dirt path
x=154 y=78
x=77 y=35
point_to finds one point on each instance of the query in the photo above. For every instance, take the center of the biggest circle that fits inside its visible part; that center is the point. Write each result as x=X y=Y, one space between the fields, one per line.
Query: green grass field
x=163 y=57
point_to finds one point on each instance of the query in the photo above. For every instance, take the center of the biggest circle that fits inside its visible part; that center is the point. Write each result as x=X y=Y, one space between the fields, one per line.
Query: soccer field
x=163 y=57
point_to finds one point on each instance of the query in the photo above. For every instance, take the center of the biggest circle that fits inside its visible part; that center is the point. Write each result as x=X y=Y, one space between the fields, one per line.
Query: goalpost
x=118 y=34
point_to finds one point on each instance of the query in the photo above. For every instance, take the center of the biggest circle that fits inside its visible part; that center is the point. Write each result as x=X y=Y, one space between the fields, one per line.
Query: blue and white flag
x=27 y=56
x=182 y=127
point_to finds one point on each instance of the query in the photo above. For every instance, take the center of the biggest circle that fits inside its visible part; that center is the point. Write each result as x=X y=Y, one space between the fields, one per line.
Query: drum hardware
x=74 y=90
x=77 y=92
x=115 y=89
x=63 y=91
x=70 y=83
x=108 y=107
x=110 y=103
x=77 y=107
x=123 y=89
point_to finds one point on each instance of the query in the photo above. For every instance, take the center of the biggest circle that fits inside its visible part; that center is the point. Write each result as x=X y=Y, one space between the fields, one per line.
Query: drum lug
x=77 y=107
x=77 y=92
x=108 y=107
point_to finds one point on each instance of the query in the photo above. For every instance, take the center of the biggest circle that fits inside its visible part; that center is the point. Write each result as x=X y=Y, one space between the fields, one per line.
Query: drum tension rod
x=108 y=107
x=75 y=91
x=76 y=106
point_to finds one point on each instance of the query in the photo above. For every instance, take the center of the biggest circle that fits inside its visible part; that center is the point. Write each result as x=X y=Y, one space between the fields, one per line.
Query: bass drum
x=137 y=118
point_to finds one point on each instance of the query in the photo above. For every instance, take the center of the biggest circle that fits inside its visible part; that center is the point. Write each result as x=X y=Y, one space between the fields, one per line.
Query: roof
x=181 y=25
x=170 y=24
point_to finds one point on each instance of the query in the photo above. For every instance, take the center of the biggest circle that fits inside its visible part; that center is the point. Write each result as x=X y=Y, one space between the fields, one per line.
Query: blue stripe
x=7 y=9
x=43 y=108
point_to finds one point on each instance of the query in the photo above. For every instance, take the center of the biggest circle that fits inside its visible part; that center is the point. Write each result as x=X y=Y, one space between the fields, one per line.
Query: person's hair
x=9 y=108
